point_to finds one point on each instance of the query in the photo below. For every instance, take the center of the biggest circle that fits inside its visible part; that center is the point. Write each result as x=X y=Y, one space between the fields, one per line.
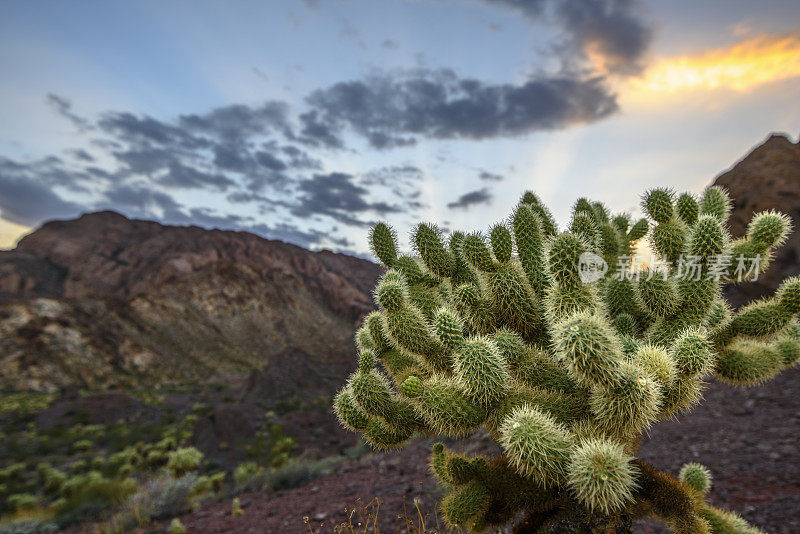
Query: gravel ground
x=747 y=437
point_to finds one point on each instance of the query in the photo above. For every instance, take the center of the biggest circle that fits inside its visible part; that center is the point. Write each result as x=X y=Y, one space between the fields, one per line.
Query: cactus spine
x=501 y=331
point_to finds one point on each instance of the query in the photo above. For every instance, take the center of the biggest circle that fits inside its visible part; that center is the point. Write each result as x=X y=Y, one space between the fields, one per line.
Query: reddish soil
x=748 y=438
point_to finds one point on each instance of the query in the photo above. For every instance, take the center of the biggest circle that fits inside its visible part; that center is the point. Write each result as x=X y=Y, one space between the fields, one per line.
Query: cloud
x=185 y=177
x=389 y=109
x=490 y=177
x=742 y=67
x=26 y=201
x=609 y=34
x=336 y=195
x=63 y=107
x=479 y=196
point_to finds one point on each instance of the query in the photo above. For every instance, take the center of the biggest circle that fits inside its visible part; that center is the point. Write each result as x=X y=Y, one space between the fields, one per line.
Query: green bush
x=183 y=460
x=90 y=496
x=22 y=501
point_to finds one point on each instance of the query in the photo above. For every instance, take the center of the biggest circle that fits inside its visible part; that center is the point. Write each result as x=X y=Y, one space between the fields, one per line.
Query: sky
x=310 y=120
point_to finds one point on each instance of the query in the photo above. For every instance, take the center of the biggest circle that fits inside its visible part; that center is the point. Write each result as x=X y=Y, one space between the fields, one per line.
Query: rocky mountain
x=767 y=178
x=104 y=301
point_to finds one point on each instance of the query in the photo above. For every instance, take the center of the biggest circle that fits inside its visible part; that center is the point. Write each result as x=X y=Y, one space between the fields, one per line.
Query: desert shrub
x=24 y=403
x=157 y=499
x=176 y=527
x=22 y=501
x=78 y=466
x=156 y=458
x=183 y=460
x=90 y=496
x=560 y=350
x=28 y=526
x=53 y=480
x=81 y=445
x=12 y=472
x=202 y=486
x=217 y=480
x=297 y=473
x=246 y=475
x=236 y=507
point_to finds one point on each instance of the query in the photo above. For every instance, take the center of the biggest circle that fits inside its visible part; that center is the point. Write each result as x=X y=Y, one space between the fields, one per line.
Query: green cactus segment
x=789 y=295
x=447 y=409
x=482 y=370
x=384 y=244
x=629 y=406
x=514 y=299
x=716 y=202
x=589 y=349
x=529 y=239
x=601 y=475
x=505 y=334
x=769 y=228
x=687 y=208
x=548 y=223
x=537 y=445
x=374 y=324
x=658 y=204
x=638 y=230
x=564 y=258
x=620 y=297
x=669 y=239
x=583 y=225
x=391 y=293
x=696 y=476
x=350 y=414
x=502 y=244
x=429 y=245
x=461 y=506
x=692 y=353
x=747 y=362
x=449 y=329
x=478 y=254
x=708 y=238
x=657 y=363
x=372 y=393
x=723 y=522
x=366 y=360
x=762 y=318
x=658 y=294
x=382 y=435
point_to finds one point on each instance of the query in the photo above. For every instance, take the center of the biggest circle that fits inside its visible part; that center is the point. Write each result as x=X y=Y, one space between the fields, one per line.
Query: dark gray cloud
x=490 y=176
x=338 y=196
x=238 y=121
x=63 y=107
x=27 y=201
x=389 y=44
x=185 y=177
x=479 y=196
x=613 y=30
x=389 y=109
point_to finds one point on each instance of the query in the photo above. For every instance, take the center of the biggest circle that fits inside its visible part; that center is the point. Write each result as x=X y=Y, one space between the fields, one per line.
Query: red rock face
x=767 y=178
x=106 y=255
x=104 y=300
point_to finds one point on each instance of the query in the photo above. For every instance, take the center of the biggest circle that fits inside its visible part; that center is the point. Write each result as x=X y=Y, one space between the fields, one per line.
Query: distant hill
x=767 y=178
x=104 y=301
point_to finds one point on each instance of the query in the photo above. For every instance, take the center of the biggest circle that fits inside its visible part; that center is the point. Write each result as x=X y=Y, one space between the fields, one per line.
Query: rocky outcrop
x=105 y=301
x=767 y=178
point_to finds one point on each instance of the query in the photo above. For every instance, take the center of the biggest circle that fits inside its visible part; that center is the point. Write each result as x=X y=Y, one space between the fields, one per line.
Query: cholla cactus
x=564 y=372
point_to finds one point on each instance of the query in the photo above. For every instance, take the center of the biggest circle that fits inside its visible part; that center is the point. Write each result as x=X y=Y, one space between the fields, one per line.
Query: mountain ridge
x=102 y=295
